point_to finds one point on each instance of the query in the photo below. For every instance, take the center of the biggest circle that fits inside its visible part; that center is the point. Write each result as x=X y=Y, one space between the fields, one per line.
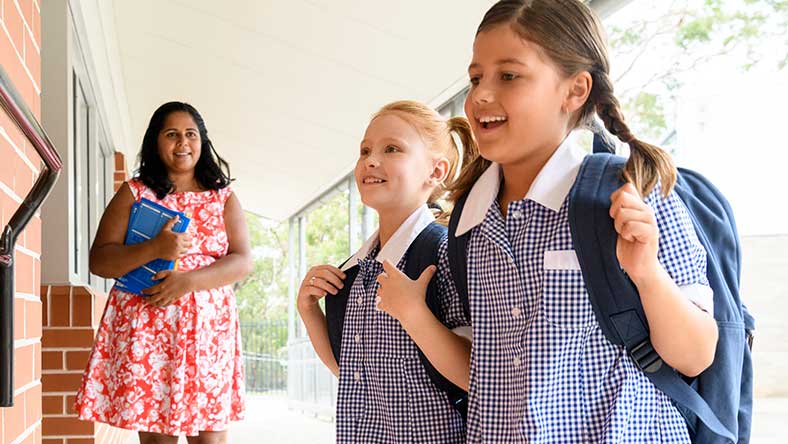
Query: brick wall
x=20 y=43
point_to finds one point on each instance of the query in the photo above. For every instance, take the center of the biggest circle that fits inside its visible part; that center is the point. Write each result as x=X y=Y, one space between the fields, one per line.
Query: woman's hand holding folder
x=171 y=245
x=172 y=286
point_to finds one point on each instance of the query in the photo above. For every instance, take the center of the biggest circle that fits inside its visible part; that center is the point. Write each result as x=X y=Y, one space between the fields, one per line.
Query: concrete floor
x=269 y=421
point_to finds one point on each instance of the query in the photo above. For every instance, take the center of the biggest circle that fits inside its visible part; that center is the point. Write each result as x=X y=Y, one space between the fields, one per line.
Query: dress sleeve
x=680 y=250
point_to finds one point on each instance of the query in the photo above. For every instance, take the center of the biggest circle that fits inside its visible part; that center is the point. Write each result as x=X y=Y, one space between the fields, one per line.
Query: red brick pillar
x=71 y=317
x=121 y=174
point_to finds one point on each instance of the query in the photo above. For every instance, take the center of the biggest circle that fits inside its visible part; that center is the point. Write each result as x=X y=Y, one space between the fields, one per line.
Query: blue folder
x=145 y=222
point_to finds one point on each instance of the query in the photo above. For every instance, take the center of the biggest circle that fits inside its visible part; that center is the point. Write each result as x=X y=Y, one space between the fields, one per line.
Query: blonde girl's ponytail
x=471 y=164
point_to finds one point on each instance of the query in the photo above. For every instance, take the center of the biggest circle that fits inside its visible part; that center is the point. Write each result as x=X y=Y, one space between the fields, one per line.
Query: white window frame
x=73 y=210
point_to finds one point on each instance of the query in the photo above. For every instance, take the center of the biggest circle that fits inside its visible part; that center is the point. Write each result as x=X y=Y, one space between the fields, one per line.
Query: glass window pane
x=327 y=231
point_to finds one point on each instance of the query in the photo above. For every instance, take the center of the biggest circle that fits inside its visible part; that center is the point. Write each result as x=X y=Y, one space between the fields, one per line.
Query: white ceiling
x=286 y=87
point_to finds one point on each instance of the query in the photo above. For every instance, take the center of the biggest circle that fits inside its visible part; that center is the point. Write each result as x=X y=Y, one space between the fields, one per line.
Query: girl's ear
x=440 y=170
x=579 y=88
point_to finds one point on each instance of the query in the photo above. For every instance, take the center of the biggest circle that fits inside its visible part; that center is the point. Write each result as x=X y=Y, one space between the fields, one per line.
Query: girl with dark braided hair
x=541 y=368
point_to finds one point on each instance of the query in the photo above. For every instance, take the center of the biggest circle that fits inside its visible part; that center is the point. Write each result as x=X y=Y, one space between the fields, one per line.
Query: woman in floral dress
x=169 y=363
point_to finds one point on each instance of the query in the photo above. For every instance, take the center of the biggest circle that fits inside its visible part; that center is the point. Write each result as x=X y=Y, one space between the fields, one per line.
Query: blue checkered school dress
x=541 y=369
x=385 y=395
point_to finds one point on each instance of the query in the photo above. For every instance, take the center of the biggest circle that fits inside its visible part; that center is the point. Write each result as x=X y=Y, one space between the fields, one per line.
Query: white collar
x=399 y=242
x=549 y=188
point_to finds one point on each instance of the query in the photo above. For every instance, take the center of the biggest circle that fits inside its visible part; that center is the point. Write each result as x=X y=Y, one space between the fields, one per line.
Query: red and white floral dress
x=176 y=370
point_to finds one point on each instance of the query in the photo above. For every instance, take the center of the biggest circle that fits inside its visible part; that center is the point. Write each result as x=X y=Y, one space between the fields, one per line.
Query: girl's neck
x=520 y=175
x=391 y=219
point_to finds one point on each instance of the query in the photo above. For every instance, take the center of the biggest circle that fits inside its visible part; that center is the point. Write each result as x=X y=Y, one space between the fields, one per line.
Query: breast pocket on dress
x=565 y=302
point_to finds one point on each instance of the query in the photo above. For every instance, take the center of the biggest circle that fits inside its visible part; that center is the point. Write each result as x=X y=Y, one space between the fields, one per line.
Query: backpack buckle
x=645 y=357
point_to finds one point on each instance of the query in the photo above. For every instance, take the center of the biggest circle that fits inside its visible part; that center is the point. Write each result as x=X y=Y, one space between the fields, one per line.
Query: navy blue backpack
x=717 y=404
x=422 y=253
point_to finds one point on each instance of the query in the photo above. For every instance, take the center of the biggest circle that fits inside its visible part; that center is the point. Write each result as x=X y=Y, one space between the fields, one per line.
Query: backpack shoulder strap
x=336 y=306
x=614 y=297
x=422 y=253
x=619 y=313
x=458 y=255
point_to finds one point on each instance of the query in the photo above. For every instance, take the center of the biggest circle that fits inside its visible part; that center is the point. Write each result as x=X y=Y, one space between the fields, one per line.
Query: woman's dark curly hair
x=211 y=172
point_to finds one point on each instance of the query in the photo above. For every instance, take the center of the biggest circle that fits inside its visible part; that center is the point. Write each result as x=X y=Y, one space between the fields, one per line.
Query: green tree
x=262 y=305
x=263 y=294
x=327 y=239
x=687 y=35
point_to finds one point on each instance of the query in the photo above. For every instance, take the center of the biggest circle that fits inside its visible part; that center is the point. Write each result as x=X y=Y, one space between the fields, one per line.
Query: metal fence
x=311 y=388
x=265 y=355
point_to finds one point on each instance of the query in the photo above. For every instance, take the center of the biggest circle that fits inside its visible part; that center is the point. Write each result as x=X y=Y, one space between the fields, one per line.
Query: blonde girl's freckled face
x=515 y=99
x=179 y=142
x=394 y=164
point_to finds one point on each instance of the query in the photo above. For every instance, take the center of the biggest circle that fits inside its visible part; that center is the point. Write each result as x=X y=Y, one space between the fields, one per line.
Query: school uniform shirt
x=541 y=369
x=385 y=395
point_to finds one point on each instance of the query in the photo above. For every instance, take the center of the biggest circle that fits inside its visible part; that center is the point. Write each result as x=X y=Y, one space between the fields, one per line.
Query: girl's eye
x=191 y=134
x=170 y=135
x=364 y=151
x=508 y=76
x=391 y=149
x=474 y=80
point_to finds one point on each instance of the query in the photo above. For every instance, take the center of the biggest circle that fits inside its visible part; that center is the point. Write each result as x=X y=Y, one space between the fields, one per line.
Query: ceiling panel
x=287 y=87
